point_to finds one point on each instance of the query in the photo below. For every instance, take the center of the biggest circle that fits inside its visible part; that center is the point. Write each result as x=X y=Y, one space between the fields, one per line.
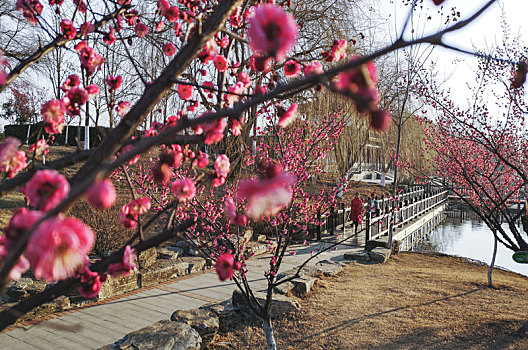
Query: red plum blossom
x=53 y=114
x=11 y=159
x=268 y=196
x=272 y=32
x=292 y=69
x=59 y=247
x=101 y=194
x=46 y=189
x=184 y=189
x=225 y=266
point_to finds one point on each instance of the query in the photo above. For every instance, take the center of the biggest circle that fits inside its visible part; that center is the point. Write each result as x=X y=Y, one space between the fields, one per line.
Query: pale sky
x=484 y=32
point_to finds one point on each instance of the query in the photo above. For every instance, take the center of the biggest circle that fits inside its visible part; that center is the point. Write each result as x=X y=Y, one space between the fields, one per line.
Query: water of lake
x=469 y=238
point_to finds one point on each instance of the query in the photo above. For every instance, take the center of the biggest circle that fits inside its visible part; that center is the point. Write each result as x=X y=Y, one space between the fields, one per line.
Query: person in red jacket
x=356 y=211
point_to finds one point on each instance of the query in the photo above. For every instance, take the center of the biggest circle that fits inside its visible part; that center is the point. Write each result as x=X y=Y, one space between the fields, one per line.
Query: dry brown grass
x=414 y=301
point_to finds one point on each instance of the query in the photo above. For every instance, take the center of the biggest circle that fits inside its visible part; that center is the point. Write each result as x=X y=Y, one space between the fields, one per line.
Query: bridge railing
x=395 y=212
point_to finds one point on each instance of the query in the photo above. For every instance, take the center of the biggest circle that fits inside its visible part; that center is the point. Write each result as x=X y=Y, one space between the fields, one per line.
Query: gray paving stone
x=22 y=346
x=70 y=344
x=7 y=341
x=44 y=344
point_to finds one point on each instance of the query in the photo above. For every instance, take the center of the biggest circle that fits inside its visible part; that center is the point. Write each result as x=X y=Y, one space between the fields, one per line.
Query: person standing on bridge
x=356 y=211
x=376 y=206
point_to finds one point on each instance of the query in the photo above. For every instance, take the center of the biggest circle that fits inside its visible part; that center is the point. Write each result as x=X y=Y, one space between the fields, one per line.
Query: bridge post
x=332 y=219
x=319 y=224
x=367 y=229
x=344 y=215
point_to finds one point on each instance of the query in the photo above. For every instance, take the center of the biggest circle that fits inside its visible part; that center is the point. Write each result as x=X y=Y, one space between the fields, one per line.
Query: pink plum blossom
x=235 y=19
x=160 y=26
x=92 y=90
x=220 y=63
x=355 y=79
x=113 y=82
x=101 y=194
x=292 y=69
x=40 y=147
x=287 y=116
x=128 y=264
x=380 y=120
x=266 y=197
x=214 y=131
x=185 y=91
x=21 y=266
x=21 y=221
x=139 y=206
x=225 y=266
x=222 y=165
x=232 y=214
x=169 y=49
x=245 y=79
x=202 y=160
x=313 y=68
x=11 y=159
x=272 y=31
x=122 y=108
x=53 y=114
x=3 y=73
x=90 y=60
x=110 y=37
x=59 y=247
x=260 y=63
x=184 y=189
x=75 y=98
x=67 y=29
x=338 y=51
x=29 y=9
x=209 y=51
x=70 y=82
x=141 y=29
x=128 y=220
x=46 y=189
x=87 y=28
x=171 y=14
x=91 y=283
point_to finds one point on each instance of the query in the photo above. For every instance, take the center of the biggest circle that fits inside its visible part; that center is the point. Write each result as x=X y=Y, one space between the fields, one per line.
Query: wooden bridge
x=410 y=216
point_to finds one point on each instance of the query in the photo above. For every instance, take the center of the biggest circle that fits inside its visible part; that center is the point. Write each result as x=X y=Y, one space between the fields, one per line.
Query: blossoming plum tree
x=224 y=59
x=480 y=153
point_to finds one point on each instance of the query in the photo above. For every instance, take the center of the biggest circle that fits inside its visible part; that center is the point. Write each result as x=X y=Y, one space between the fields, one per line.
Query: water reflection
x=469 y=238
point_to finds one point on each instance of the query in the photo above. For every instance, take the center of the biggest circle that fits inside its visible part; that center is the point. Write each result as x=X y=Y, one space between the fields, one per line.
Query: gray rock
x=147 y=258
x=25 y=287
x=114 y=286
x=283 y=288
x=280 y=304
x=169 y=252
x=164 y=270
x=374 y=244
x=328 y=268
x=162 y=335
x=217 y=309
x=357 y=256
x=379 y=255
x=195 y=263
x=59 y=304
x=205 y=322
x=303 y=285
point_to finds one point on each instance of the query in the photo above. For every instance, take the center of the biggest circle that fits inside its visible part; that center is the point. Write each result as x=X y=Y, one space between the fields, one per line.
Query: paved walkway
x=94 y=326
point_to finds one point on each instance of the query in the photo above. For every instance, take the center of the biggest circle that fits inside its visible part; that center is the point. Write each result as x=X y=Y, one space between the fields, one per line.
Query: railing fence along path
x=395 y=212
